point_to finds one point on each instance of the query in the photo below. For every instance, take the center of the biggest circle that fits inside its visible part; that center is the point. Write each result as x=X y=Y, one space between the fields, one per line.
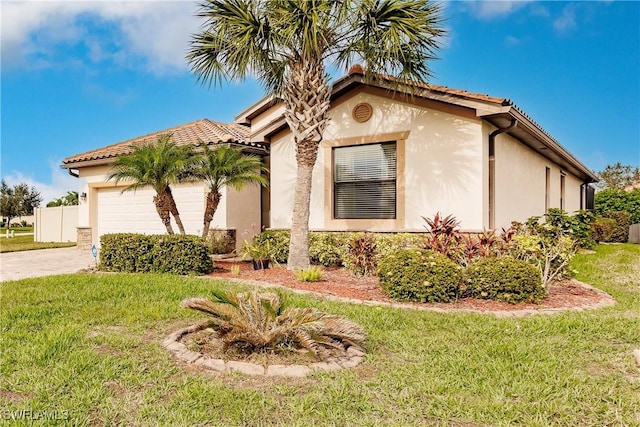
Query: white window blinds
x=364 y=179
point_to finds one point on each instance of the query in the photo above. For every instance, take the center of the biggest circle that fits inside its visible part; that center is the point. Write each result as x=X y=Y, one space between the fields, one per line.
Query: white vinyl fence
x=56 y=224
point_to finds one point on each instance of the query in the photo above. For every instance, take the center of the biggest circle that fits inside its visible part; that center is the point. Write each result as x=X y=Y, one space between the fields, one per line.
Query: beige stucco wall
x=520 y=188
x=444 y=155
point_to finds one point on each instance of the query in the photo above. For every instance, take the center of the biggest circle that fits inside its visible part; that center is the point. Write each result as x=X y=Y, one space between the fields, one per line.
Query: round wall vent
x=362 y=112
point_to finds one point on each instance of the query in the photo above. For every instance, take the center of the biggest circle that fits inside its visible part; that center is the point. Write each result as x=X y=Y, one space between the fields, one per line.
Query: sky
x=76 y=76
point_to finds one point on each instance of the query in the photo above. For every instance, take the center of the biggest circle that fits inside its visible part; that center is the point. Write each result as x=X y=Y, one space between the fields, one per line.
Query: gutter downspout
x=73 y=174
x=492 y=170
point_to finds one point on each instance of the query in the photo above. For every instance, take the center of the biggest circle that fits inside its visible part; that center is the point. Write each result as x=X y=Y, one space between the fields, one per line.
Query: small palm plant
x=225 y=166
x=156 y=165
x=257 y=321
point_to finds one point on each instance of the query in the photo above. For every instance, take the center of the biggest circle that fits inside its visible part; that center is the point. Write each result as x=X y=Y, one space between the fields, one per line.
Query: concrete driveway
x=43 y=262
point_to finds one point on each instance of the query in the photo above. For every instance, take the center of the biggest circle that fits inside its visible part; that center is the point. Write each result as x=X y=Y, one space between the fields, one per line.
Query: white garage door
x=134 y=212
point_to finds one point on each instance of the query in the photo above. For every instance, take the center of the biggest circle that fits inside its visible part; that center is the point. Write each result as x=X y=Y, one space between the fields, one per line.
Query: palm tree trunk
x=213 y=200
x=306 y=97
x=174 y=211
x=162 y=207
x=299 y=244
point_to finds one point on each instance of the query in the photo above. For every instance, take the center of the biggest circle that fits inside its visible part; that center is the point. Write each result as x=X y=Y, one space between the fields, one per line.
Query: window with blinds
x=364 y=181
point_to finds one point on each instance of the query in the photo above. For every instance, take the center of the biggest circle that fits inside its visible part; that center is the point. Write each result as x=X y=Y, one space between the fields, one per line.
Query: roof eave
x=532 y=135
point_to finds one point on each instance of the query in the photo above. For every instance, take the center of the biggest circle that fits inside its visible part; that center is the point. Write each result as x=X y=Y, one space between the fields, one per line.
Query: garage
x=135 y=212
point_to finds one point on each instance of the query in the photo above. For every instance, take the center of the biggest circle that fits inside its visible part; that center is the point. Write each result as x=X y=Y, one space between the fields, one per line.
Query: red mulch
x=339 y=282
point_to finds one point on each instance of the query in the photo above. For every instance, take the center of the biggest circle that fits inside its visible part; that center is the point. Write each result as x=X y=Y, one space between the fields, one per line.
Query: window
x=562 y=200
x=364 y=180
x=547 y=189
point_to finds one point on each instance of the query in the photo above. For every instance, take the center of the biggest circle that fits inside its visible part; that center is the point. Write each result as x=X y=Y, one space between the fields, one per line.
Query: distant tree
x=18 y=200
x=618 y=176
x=156 y=165
x=70 y=199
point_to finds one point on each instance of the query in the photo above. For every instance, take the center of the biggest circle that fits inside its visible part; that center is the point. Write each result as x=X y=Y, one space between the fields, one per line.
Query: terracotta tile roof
x=203 y=130
x=357 y=69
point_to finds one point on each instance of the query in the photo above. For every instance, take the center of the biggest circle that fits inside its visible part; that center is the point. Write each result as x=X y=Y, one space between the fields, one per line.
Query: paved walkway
x=43 y=262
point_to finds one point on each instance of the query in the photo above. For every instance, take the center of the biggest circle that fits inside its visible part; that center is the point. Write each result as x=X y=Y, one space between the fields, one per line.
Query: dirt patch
x=206 y=343
x=568 y=294
x=14 y=397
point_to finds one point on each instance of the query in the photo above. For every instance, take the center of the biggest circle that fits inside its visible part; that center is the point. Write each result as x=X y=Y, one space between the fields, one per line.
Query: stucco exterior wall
x=520 y=188
x=444 y=155
x=242 y=213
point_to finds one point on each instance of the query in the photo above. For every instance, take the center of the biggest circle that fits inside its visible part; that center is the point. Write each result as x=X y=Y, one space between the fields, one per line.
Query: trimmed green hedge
x=329 y=248
x=419 y=275
x=504 y=279
x=141 y=253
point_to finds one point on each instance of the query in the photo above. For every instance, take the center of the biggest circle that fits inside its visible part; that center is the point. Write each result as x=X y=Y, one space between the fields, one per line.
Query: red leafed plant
x=442 y=233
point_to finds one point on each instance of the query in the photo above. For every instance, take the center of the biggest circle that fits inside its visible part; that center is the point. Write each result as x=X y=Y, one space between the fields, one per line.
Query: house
x=391 y=153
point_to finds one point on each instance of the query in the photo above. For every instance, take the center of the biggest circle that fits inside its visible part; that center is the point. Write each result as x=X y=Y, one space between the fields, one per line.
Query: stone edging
x=606 y=301
x=353 y=358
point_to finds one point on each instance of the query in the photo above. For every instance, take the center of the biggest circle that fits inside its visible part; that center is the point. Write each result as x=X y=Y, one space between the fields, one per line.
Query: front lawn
x=26 y=243
x=90 y=345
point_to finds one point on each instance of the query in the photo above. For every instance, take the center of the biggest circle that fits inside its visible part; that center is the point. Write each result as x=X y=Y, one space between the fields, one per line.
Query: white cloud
x=566 y=21
x=512 y=41
x=61 y=182
x=152 y=35
x=487 y=9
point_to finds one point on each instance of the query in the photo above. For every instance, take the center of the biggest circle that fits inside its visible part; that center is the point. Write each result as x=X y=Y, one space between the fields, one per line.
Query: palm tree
x=286 y=45
x=225 y=166
x=156 y=165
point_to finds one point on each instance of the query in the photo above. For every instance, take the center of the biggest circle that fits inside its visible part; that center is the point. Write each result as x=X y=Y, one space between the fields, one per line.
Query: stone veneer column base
x=84 y=238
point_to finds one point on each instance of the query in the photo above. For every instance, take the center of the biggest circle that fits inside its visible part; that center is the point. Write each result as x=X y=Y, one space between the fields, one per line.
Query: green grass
x=90 y=345
x=26 y=243
x=28 y=229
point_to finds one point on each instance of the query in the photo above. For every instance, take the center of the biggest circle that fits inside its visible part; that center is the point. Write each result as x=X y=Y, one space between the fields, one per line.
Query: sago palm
x=225 y=166
x=156 y=165
x=259 y=320
x=286 y=45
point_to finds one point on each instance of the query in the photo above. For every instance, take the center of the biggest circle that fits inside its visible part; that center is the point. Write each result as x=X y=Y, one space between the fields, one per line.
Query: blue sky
x=78 y=75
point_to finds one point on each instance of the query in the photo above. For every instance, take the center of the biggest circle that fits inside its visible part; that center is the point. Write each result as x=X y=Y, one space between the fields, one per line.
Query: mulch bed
x=338 y=282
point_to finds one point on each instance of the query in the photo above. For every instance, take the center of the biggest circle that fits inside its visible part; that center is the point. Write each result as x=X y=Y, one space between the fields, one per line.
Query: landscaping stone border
x=353 y=358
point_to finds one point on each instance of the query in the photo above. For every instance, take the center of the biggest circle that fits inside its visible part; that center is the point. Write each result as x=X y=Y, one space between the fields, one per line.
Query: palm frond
x=256 y=320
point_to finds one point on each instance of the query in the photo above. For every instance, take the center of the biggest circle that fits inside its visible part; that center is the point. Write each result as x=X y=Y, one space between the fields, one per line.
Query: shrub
x=312 y=274
x=361 y=257
x=602 y=229
x=387 y=243
x=620 y=233
x=139 y=253
x=255 y=321
x=222 y=241
x=550 y=255
x=504 y=279
x=612 y=199
x=278 y=242
x=327 y=248
x=442 y=233
x=419 y=275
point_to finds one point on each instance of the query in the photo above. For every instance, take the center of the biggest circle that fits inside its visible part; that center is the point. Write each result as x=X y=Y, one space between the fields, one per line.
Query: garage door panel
x=134 y=212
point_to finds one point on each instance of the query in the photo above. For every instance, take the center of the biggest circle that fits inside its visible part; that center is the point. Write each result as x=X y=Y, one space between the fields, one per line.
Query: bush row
x=140 y=253
x=427 y=276
x=335 y=249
